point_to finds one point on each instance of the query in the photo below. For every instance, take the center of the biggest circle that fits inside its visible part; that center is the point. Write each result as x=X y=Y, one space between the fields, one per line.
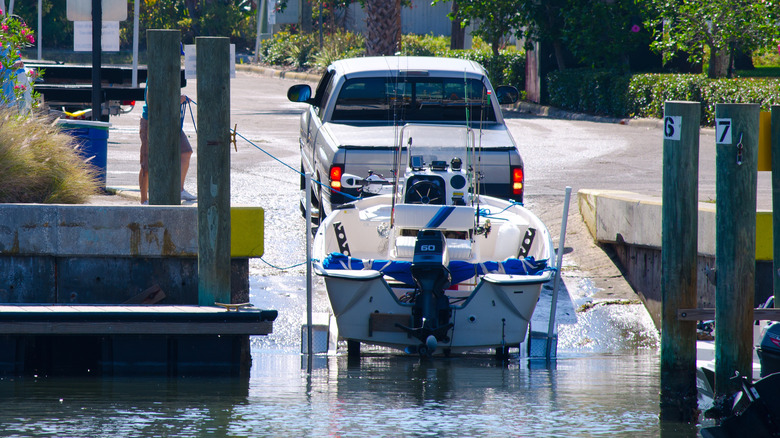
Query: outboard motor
x=755 y=411
x=431 y=310
x=769 y=350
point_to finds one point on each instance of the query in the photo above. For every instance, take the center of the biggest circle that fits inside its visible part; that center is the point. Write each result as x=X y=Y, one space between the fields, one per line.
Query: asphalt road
x=557 y=152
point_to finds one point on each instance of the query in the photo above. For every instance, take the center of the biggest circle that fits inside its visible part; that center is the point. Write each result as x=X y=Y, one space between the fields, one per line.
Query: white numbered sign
x=672 y=127
x=723 y=131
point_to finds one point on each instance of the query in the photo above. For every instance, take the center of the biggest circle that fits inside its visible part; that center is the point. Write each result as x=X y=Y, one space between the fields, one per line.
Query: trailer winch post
x=556 y=282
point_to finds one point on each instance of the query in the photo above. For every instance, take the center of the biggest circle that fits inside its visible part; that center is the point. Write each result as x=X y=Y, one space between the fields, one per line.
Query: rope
x=353 y=198
x=192 y=116
x=485 y=212
x=187 y=105
x=280 y=268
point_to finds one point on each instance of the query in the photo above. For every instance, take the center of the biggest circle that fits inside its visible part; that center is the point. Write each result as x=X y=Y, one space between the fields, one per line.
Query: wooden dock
x=128 y=340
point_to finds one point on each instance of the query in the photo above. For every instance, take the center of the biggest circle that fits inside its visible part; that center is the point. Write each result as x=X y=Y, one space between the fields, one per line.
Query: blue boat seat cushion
x=459 y=270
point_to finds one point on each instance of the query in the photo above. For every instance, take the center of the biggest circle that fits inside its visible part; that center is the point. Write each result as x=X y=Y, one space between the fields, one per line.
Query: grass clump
x=41 y=164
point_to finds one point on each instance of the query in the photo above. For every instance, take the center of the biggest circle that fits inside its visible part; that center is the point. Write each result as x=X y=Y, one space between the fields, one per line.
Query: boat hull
x=495 y=315
x=488 y=308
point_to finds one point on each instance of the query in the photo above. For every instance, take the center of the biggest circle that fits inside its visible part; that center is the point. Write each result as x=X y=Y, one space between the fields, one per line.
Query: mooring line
x=235 y=132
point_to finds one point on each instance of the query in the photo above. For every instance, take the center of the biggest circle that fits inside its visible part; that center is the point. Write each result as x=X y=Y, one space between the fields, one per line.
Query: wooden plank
x=94 y=311
x=706 y=314
x=135 y=328
x=11 y=312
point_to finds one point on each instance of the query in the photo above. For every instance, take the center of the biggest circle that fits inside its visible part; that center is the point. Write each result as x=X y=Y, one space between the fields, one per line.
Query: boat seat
x=457 y=249
x=440 y=217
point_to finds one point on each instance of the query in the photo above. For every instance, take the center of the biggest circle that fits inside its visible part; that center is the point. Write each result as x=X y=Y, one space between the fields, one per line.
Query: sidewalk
x=557 y=113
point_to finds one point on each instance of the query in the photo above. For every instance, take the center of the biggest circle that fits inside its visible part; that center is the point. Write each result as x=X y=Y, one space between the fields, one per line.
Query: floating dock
x=128 y=340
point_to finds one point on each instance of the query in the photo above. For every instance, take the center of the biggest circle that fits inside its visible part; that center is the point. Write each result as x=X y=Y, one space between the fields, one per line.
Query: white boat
x=429 y=267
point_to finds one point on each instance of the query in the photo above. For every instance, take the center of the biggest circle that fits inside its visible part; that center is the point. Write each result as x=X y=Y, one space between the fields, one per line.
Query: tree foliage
x=494 y=19
x=720 y=25
x=230 y=18
x=602 y=34
x=594 y=33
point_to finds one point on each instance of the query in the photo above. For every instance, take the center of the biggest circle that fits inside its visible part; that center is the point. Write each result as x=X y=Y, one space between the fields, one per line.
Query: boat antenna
x=470 y=144
x=485 y=94
x=395 y=184
x=397 y=137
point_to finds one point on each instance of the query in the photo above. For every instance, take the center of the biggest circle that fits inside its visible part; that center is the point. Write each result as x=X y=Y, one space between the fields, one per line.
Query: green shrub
x=39 y=164
x=339 y=45
x=508 y=68
x=424 y=45
x=302 y=51
x=276 y=50
x=590 y=91
x=643 y=95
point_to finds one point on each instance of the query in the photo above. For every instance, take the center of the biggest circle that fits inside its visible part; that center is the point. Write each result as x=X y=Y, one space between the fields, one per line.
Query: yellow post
x=765 y=142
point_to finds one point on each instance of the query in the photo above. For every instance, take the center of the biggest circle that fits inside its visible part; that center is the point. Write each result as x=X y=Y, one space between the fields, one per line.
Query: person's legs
x=185 y=165
x=186 y=153
x=143 y=175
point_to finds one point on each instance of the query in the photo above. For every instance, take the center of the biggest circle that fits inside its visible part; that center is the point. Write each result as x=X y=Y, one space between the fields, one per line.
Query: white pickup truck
x=351 y=127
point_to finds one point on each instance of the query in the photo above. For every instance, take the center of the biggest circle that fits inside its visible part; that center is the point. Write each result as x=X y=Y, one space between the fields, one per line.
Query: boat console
x=437 y=183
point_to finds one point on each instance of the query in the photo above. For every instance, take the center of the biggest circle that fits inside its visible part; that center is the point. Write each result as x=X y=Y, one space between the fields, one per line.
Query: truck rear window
x=413 y=99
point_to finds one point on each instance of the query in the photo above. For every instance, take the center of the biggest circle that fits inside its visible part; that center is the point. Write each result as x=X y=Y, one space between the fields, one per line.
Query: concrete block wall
x=630 y=224
x=86 y=254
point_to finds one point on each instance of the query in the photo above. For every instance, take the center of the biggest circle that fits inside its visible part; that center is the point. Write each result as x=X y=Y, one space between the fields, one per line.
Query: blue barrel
x=93 y=138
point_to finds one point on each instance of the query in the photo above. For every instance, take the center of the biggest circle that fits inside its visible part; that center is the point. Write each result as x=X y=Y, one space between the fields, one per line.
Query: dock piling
x=736 y=142
x=776 y=202
x=678 y=259
x=163 y=91
x=213 y=88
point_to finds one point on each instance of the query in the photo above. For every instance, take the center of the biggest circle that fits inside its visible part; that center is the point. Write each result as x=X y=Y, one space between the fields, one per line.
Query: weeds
x=40 y=164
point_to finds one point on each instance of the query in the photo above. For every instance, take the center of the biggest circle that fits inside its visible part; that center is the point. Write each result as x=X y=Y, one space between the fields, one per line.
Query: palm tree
x=384 y=27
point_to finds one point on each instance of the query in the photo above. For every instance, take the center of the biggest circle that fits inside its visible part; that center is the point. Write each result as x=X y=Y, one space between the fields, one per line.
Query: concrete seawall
x=92 y=254
x=630 y=224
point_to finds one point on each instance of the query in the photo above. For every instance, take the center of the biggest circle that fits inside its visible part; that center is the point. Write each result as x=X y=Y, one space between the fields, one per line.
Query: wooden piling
x=776 y=202
x=163 y=98
x=97 y=59
x=678 y=259
x=736 y=140
x=213 y=79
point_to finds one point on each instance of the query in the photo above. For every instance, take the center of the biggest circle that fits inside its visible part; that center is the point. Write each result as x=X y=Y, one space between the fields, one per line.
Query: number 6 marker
x=672 y=127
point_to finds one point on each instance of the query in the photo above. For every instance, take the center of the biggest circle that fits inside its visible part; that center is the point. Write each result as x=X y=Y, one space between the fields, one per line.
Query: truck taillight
x=335 y=177
x=517 y=180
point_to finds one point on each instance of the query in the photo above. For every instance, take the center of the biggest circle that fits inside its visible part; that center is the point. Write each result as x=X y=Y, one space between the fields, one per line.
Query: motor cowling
x=431 y=310
x=429 y=262
x=769 y=350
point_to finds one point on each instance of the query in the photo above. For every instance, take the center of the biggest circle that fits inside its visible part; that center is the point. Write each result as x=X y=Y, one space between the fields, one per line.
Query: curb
x=557 y=113
x=129 y=192
x=294 y=75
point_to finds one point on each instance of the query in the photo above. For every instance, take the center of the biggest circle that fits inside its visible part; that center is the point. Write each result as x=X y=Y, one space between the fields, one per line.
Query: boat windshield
x=436 y=143
x=414 y=99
